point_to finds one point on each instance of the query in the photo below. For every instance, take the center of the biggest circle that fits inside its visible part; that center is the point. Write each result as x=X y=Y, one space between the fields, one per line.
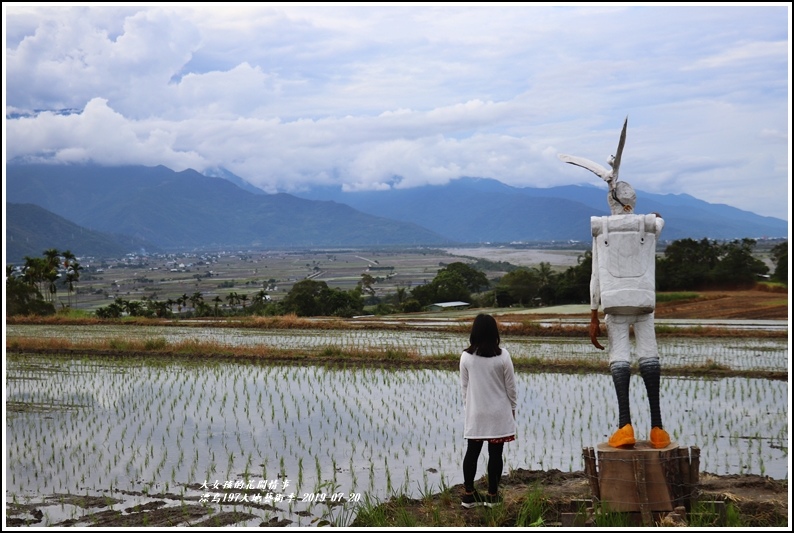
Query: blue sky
x=373 y=96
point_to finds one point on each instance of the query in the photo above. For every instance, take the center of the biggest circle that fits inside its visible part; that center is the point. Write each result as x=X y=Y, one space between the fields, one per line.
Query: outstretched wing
x=616 y=162
x=595 y=168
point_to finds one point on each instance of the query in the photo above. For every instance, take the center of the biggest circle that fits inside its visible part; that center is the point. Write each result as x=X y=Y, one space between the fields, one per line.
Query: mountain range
x=157 y=208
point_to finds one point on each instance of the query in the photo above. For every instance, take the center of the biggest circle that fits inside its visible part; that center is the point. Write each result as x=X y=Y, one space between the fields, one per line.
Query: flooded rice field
x=305 y=445
x=735 y=353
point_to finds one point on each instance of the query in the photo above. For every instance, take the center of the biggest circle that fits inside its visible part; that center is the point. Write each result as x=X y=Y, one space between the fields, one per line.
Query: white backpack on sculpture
x=624 y=251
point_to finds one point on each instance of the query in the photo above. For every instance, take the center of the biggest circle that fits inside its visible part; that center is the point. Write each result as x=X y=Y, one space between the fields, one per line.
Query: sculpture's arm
x=593 y=167
x=595 y=299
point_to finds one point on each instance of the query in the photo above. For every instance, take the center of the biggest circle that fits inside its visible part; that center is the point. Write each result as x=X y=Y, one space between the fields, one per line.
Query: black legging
x=495 y=465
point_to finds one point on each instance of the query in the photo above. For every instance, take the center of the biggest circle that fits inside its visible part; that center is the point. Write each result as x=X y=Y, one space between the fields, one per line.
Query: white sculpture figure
x=609 y=176
x=623 y=283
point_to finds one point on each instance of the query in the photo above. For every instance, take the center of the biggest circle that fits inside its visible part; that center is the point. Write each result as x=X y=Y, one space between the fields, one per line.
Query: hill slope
x=186 y=210
x=31 y=229
x=485 y=210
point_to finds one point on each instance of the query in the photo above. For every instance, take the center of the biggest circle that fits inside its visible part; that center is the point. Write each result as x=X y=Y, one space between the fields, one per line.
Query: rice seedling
x=369 y=416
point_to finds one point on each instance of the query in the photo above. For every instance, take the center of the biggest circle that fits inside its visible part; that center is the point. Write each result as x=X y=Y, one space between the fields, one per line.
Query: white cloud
x=290 y=95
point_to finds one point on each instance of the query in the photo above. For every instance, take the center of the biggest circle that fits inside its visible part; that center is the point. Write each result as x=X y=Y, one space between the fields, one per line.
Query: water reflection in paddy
x=736 y=353
x=93 y=426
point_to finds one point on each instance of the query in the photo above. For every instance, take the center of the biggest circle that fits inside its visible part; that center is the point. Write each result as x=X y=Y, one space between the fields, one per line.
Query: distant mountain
x=486 y=210
x=187 y=210
x=30 y=230
x=234 y=178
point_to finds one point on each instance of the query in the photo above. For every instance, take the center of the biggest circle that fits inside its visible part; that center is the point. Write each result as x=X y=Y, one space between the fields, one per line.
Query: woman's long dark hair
x=484 y=338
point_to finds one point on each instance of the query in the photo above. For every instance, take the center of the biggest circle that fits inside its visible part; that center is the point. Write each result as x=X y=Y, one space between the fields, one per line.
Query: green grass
x=371 y=514
x=532 y=509
x=676 y=296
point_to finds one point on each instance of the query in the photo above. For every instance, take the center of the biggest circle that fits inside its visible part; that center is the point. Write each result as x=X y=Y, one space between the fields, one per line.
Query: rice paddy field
x=738 y=353
x=305 y=445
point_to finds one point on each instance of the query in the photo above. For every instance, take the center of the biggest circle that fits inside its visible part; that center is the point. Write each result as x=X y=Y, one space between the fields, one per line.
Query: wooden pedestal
x=641 y=478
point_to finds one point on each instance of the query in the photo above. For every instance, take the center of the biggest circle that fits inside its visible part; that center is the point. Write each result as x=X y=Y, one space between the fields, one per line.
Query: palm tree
x=196 y=300
x=68 y=257
x=233 y=298
x=217 y=301
x=545 y=273
x=402 y=294
x=33 y=272
x=180 y=302
x=72 y=277
x=52 y=261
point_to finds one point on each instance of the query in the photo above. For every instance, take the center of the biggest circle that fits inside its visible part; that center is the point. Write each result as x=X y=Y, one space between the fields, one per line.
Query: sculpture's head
x=621 y=199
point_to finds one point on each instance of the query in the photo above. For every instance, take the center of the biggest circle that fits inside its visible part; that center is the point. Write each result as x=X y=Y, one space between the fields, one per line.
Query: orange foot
x=622 y=437
x=659 y=438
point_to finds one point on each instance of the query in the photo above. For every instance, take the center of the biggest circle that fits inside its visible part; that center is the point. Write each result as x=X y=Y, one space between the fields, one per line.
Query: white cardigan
x=489 y=395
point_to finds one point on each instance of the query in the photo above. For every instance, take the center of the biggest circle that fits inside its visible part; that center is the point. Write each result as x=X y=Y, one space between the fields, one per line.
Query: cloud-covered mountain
x=187 y=210
x=481 y=209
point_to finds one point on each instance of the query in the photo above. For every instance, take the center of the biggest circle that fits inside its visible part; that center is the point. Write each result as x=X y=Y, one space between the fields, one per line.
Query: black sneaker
x=472 y=499
x=492 y=500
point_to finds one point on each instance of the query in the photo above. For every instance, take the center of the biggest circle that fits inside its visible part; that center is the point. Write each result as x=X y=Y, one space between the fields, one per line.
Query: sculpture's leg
x=621 y=375
x=650 y=371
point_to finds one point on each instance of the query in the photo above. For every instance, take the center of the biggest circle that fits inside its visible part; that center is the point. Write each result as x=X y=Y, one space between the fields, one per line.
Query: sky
x=374 y=96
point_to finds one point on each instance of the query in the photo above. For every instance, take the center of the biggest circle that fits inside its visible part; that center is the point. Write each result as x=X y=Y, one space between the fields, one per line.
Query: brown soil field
x=737 y=305
x=566 y=496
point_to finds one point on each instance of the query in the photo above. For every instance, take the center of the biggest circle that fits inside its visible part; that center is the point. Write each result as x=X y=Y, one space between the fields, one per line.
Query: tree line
x=31 y=288
x=686 y=265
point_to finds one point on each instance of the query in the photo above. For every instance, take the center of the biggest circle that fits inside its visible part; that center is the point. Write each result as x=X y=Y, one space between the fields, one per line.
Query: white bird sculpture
x=609 y=176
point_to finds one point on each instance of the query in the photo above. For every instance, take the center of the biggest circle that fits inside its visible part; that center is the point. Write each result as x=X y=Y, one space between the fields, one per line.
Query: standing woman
x=489 y=398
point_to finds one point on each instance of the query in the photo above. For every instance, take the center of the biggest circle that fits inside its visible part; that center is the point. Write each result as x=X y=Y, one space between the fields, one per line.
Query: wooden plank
x=642 y=491
x=694 y=475
x=618 y=491
x=591 y=471
x=672 y=475
x=683 y=466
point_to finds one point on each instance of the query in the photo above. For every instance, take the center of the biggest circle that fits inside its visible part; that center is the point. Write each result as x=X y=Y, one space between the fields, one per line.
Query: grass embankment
x=508 y=324
x=209 y=351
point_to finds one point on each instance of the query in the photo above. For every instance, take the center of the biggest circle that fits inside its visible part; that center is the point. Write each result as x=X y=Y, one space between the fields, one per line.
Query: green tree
x=181 y=302
x=303 y=298
x=196 y=300
x=401 y=295
x=233 y=299
x=573 y=285
x=780 y=258
x=737 y=267
x=451 y=286
x=314 y=298
x=52 y=263
x=33 y=273
x=519 y=286
x=72 y=276
x=475 y=280
x=448 y=285
x=366 y=283
x=22 y=297
x=687 y=264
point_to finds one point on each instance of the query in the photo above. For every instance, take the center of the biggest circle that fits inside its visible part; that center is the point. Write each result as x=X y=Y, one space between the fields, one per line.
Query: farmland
x=216 y=274
x=144 y=440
